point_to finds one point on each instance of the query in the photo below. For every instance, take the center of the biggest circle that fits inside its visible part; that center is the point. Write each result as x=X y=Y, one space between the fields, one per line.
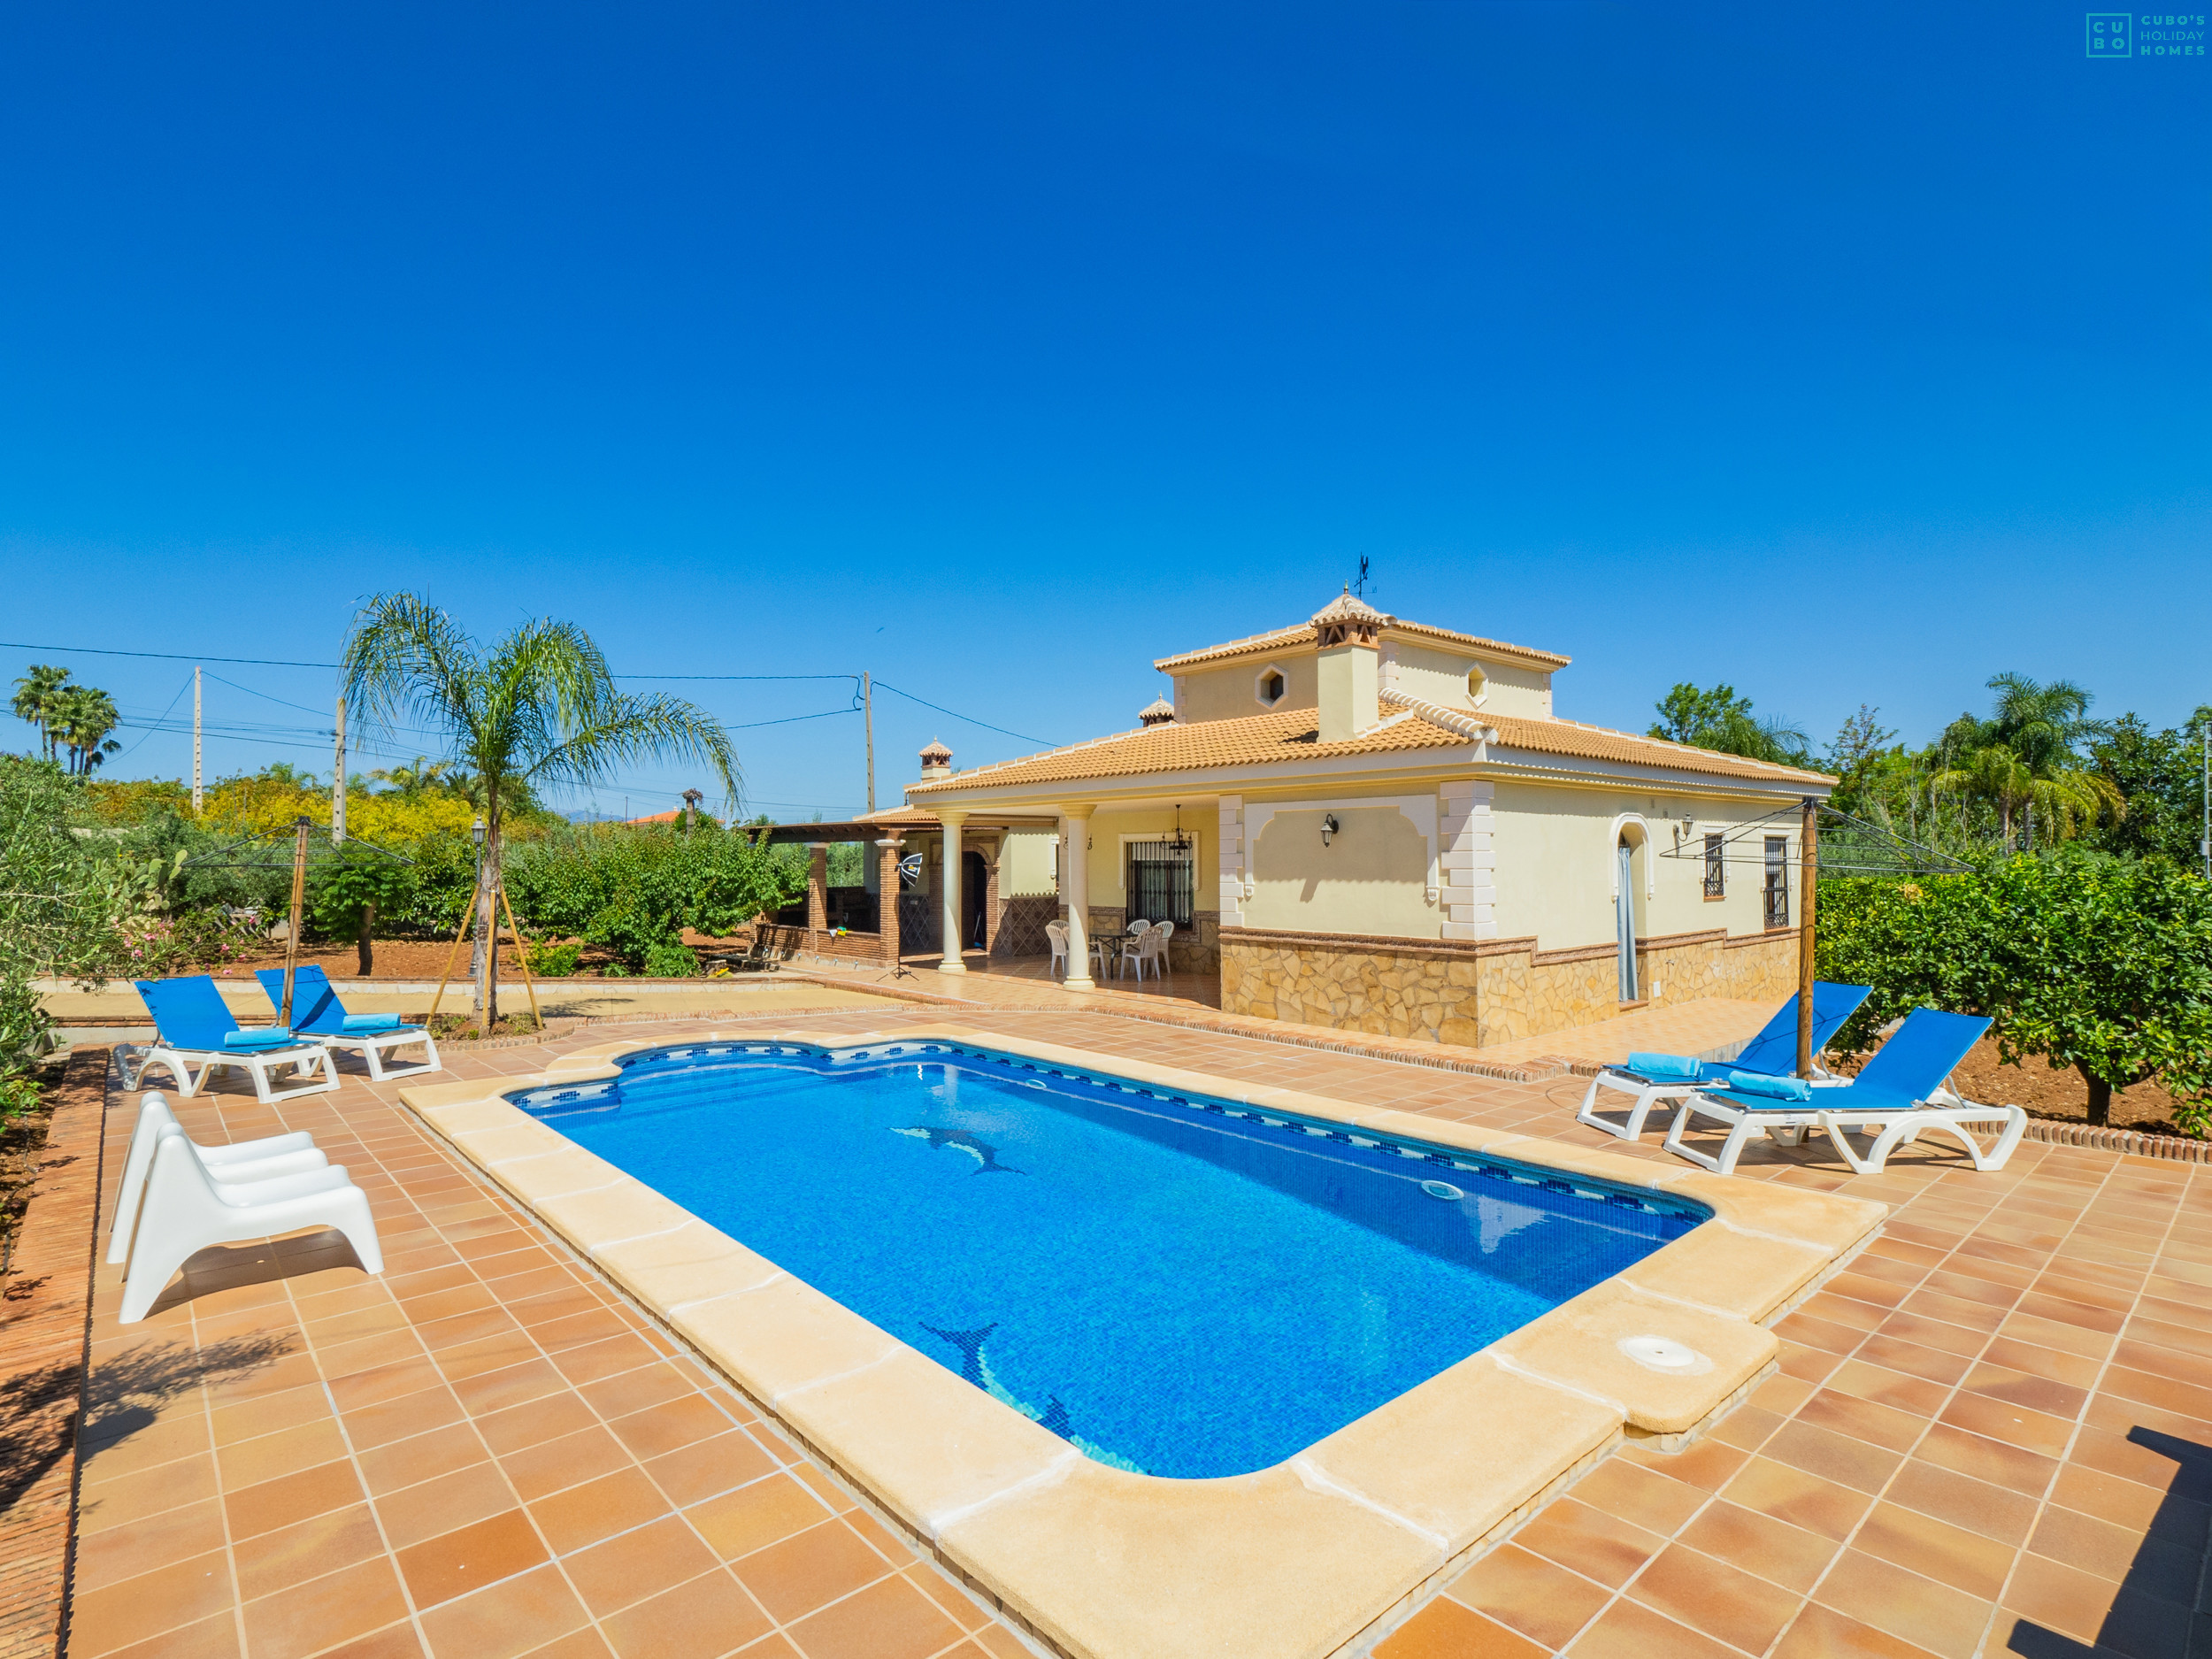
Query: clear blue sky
x=999 y=348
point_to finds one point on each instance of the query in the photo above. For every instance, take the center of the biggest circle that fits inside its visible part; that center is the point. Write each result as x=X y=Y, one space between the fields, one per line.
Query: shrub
x=672 y=962
x=554 y=962
x=2097 y=963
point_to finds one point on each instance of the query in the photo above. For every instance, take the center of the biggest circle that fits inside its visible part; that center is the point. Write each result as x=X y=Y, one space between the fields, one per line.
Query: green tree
x=59 y=906
x=351 y=891
x=2160 y=776
x=2093 y=962
x=1720 y=719
x=36 y=696
x=80 y=719
x=540 y=706
x=2027 y=761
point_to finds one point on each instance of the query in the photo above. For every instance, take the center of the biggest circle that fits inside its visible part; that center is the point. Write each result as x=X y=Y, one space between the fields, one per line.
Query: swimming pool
x=1176 y=1284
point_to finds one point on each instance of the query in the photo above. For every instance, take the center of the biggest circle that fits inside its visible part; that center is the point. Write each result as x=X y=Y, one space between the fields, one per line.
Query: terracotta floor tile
x=1988 y=1459
x=2058 y=1364
x=2061 y=1598
x=706 y=1467
x=794 y=1577
x=366 y=1389
x=414 y=1513
x=633 y=1565
x=2150 y=1566
x=308 y=1618
x=1715 y=1599
x=595 y=1361
x=588 y=1644
x=147 y=1491
x=1640 y=1495
x=160 y=1541
x=269 y=1504
x=2127 y=1504
x=670 y=1427
x=307 y=1550
x=1445 y=1630
x=583 y=1515
x=441 y=1451
x=1790 y=1495
x=633 y=1391
x=1950 y=1555
x=394 y=1641
x=1759 y=1544
x=535 y=1423
x=496 y=1391
x=470 y=1557
x=133 y=1610
x=1822 y=1632
x=401 y=1418
x=1594 y=1543
x=505 y=1620
x=1840 y=1458
x=738 y=1522
x=1527 y=1594
x=1864 y=1419
x=1994 y=1512
x=2008 y=1424
x=1706 y=1464
x=890 y=1619
x=1944 y=1621
x=214 y=1637
x=1629 y=1631
x=552 y=1466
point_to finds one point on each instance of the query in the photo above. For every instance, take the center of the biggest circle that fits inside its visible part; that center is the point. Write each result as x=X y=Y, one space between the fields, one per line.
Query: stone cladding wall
x=1478 y=992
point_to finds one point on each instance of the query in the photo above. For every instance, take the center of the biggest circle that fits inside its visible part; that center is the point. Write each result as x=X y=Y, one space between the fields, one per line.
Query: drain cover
x=1659 y=1354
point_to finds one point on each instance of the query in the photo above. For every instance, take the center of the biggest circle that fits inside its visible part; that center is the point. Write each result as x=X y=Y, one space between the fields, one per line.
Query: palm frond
x=626 y=728
x=406 y=659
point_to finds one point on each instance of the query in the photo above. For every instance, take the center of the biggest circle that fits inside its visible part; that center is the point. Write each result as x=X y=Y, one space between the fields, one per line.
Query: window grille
x=1778 y=887
x=1163 y=881
x=1715 y=867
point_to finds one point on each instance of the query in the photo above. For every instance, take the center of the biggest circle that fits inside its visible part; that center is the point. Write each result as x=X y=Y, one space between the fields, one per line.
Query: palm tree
x=35 y=695
x=80 y=718
x=2043 y=728
x=539 y=707
x=409 y=781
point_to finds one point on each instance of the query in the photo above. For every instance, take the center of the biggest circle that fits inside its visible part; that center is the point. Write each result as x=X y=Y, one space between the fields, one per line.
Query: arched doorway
x=1631 y=847
x=975 y=877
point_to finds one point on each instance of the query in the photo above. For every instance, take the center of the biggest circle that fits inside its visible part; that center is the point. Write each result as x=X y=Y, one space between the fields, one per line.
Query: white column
x=949 y=898
x=1075 y=889
x=1469 y=859
x=1229 y=895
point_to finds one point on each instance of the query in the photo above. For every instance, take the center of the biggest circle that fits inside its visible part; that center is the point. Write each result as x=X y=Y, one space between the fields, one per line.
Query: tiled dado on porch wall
x=1994 y=1429
x=1482 y=991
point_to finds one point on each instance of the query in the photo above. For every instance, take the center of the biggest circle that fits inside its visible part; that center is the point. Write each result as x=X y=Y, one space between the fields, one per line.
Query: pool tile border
x=1316 y=1553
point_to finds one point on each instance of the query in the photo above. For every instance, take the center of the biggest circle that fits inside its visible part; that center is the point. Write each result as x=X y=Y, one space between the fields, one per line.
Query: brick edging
x=2179 y=1149
x=45 y=1344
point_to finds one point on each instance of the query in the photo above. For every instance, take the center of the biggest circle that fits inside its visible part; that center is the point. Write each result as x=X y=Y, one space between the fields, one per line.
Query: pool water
x=1182 y=1286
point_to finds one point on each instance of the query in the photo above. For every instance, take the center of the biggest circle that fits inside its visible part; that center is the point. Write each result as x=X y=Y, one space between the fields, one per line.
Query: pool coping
x=1313 y=1556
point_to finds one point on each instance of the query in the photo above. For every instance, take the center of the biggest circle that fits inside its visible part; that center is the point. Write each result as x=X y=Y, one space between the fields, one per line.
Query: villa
x=1367 y=823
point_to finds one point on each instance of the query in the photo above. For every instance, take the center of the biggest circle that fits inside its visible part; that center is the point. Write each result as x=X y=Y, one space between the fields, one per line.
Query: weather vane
x=1359 y=587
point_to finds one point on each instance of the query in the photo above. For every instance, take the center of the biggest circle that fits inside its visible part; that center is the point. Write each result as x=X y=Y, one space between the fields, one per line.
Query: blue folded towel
x=262 y=1037
x=1771 y=1088
x=1664 y=1065
x=371 y=1022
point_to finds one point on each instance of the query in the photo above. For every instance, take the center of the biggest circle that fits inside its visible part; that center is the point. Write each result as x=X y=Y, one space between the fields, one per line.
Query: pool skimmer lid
x=1657 y=1353
x=1442 y=1189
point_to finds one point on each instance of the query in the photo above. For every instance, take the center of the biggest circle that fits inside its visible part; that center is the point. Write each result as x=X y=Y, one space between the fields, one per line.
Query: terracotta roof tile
x=1280 y=639
x=1290 y=736
x=1287 y=736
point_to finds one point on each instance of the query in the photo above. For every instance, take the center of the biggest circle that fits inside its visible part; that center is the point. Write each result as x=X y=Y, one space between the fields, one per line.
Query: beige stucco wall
x=1111 y=830
x=1371 y=878
x=1441 y=677
x=1226 y=694
x=1025 y=863
x=1555 y=864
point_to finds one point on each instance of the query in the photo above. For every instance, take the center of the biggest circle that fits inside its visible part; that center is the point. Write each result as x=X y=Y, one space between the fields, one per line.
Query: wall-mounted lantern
x=1328 y=826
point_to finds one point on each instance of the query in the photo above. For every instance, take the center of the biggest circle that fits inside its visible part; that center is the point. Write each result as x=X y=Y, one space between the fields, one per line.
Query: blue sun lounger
x=317 y=1013
x=192 y=1025
x=1773 y=1050
x=1901 y=1092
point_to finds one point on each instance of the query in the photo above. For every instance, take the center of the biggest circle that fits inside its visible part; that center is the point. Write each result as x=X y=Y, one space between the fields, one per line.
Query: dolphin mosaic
x=961 y=1141
x=975 y=1369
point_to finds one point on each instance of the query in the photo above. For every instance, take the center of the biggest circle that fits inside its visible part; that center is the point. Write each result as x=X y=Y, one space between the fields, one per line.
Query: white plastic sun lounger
x=1900 y=1094
x=271 y=1156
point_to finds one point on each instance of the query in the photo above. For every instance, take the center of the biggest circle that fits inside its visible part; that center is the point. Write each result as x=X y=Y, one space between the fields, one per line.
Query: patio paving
x=1993 y=1433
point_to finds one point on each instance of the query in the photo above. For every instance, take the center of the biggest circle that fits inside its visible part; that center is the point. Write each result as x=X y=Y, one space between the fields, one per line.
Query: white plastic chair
x=186 y=1211
x=1152 y=948
x=261 y=1160
x=1056 y=936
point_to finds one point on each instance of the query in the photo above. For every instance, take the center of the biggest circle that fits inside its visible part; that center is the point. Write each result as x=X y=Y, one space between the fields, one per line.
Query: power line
x=969 y=719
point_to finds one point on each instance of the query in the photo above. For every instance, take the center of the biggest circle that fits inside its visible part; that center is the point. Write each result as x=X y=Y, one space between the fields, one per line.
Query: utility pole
x=2204 y=845
x=338 y=781
x=692 y=797
x=195 y=740
x=868 y=713
x=1808 y=896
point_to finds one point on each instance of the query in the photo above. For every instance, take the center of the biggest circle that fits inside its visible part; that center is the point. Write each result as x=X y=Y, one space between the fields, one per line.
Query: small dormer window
x=1270 y=687
x=1478 y=688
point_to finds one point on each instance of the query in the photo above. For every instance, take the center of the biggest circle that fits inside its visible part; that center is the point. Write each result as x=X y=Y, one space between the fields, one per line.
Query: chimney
x=1161 y=712
x=936 y=761
x=1348 y=632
